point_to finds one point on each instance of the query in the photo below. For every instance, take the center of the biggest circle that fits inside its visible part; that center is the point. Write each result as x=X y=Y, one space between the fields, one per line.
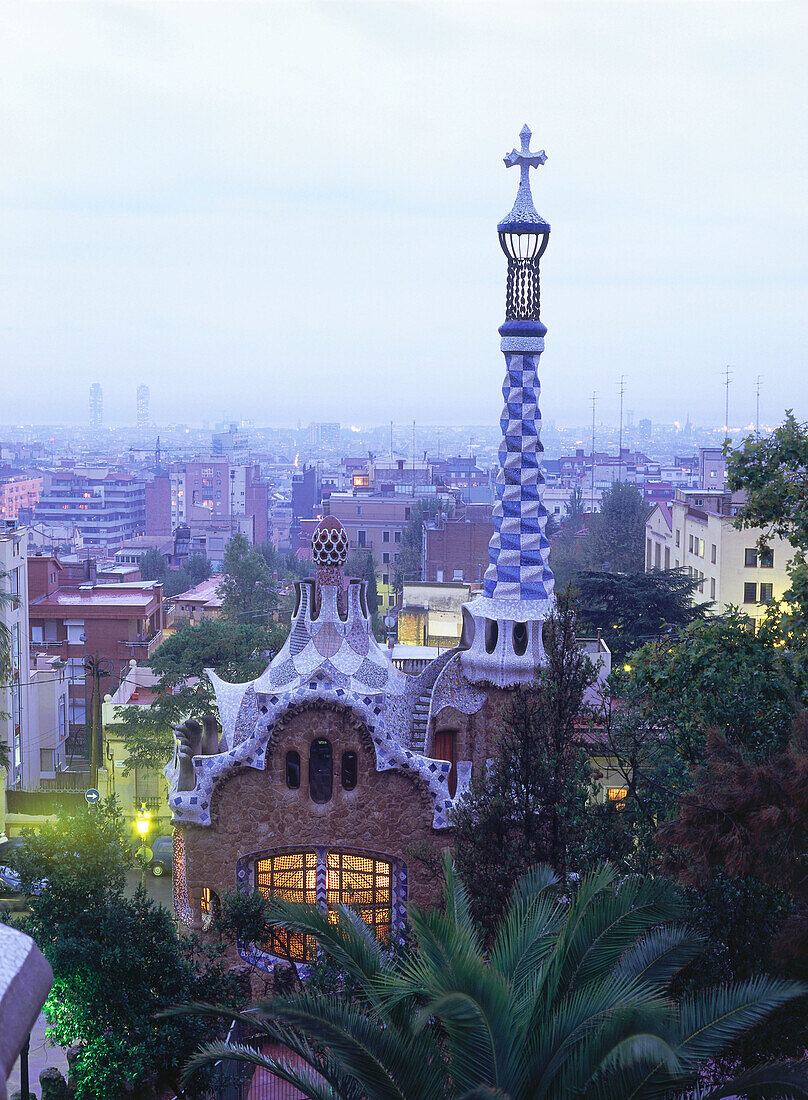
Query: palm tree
x=571 y=1000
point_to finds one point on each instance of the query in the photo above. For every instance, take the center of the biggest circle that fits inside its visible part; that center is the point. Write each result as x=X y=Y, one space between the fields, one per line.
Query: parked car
x=162 y=855
x=10 y=882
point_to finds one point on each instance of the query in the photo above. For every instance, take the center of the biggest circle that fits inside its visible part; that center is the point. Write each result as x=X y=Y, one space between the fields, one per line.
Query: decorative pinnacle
x=524 y=212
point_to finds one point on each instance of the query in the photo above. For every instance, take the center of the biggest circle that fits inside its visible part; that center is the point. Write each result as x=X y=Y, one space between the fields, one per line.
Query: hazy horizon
x=287 y=211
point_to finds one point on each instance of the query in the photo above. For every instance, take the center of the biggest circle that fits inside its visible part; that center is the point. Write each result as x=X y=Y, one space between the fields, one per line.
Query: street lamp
x=142 y=823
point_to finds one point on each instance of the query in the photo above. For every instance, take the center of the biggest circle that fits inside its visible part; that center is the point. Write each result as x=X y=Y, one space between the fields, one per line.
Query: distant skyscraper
x=143 y=409
x=96 y=406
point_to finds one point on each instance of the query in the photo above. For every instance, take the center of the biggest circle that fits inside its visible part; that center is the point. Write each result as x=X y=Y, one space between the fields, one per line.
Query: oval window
x=350 y=770
x=293 y=770
x=321 y=774
x=491 y=635
x=520 y=639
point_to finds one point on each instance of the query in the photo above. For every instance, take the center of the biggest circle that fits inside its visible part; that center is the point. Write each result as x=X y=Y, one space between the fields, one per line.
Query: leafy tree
x=528 y=804
x=749 y=817
x=574 y=513
x=771 y=473
x=632 y=608
x=572 y=999
x=153 y=565
x=236 y=651
x=176 y=581
x=716 y=674
x=198 y=568
x=410 y=562
x=247 y=589
x=362 y=566
x=618 y=530
x=288 y=566
x=116 y=961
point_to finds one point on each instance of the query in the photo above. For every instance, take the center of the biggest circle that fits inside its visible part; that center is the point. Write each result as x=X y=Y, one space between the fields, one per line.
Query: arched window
x=444 y=748
x=293 y=770
x=362 y=881
x=491 y=635
x=321 y=771
x=350 y=770
x=292 y=877
x=520 y=637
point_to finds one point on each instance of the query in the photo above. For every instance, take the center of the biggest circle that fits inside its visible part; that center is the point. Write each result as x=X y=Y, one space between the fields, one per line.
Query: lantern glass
x=523 y=246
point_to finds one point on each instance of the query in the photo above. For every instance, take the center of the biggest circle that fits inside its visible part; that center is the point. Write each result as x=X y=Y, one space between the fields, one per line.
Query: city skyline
x=213 y=237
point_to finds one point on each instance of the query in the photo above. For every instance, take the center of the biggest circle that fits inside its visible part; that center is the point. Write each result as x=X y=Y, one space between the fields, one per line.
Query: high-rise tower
x=96 y=407
x=503 y=627
x=143 y=410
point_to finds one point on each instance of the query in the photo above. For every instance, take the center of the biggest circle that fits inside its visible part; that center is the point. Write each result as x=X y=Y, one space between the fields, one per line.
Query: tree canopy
x=247 y=589
x=574 y=998
x=632 y=608
x=117 y=961
x=236 y=651
x=618 y=530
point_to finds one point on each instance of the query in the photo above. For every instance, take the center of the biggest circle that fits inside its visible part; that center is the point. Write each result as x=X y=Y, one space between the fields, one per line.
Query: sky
x=287 y=211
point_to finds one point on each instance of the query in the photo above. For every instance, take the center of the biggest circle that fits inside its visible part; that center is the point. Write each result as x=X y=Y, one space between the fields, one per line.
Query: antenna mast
x=757 y=406
x=592 y=496
x=620 y=443
x=727 y=379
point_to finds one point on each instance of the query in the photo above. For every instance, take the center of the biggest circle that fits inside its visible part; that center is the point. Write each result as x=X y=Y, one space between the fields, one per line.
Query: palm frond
x=780 y=1080
x=659 y=955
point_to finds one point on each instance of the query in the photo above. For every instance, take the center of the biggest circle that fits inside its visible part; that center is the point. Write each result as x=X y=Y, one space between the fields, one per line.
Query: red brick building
x=115 y=621
x=457 y=549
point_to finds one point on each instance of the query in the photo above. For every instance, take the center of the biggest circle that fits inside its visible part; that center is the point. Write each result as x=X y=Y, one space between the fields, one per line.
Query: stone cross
x=524 y=158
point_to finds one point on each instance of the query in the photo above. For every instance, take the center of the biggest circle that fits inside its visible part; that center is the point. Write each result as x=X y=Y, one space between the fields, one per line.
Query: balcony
x=140 y=648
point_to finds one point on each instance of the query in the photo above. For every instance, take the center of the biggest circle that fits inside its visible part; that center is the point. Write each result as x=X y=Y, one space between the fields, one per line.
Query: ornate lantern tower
x=503 y=627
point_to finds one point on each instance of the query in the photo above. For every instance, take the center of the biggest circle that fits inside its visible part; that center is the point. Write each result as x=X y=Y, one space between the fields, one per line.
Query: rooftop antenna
x=157 y=457
x=757 y=406
x=620 y=443
x=727 y=379
x=592 y=497
x=391 y=442
x=413 y=458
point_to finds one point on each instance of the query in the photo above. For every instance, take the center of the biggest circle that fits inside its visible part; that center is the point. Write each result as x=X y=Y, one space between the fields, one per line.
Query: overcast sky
x=288 y=211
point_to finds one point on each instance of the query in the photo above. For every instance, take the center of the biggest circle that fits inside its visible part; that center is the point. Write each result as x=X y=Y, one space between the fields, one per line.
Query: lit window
x=290 y=877
x=363 y=882
x=616 y=797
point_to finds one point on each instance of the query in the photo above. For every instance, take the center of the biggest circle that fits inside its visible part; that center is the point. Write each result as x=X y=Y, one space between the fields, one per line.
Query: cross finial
x=524 y=158
x=524 y=212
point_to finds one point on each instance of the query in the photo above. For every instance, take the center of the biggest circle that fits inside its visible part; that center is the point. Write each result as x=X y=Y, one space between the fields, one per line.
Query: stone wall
x=254 y=811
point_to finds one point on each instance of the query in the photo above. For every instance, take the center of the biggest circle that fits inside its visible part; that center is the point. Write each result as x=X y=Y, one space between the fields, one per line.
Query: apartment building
x=18 y=490
x=375 y=523
x=33 y=700
x=118 y=622
x=696 y=531
x=15 y=715
x=456 y=549
x=210 y=492
x=105 y=505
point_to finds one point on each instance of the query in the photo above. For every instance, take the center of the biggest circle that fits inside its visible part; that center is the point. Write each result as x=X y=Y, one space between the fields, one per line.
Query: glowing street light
x=142 y=824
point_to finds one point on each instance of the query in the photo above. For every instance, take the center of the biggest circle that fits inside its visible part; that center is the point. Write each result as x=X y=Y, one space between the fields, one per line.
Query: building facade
x=105 y=505
x=696 y=531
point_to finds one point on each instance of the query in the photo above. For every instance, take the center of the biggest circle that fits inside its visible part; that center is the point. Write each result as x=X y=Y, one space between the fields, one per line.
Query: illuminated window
x=616 y=797
x=291 y=877
x=209 y=904
x=363 y=883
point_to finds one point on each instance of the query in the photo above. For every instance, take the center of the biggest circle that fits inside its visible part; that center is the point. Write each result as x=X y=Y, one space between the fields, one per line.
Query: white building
x=15 y=717
x=697 y=532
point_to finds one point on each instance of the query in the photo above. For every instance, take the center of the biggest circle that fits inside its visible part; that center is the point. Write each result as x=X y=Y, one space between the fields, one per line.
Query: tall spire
x=502 y=632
